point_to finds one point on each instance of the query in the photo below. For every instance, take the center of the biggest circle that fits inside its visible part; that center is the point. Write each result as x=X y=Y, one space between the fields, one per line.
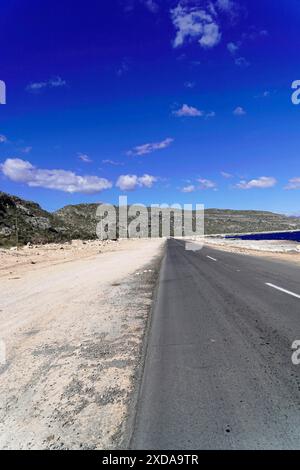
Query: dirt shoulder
x=72 y=321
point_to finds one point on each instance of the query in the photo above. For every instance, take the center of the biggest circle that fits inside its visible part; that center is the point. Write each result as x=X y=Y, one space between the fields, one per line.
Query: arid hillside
x=25 y=222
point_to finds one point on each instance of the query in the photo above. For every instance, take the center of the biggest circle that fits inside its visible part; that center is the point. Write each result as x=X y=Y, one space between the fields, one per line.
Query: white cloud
x=211 y=35
x=264 y=32
x=151 y=5
x=112 y=162
x=145 y=149
x=189 y=84
x=207 y=184
x=129 y=5
x=260 y=183
x=226 y=175
x=27 y=149
x=131 y=182
x=21 y=171
x=239 y=111
x=3 y=139
x=84 y=158
x=204 y=185
x=188 y=111
x=55 y=82
x=255 y=34
x=294 y=183
x=189 y=189
x=242 y=62
x=147 y=180
x=193 y=24
x=265 y=94
x=127 y=182
x=210 y=114
x=123 y=68
x=225 y=5
x=228 y=7
x=32 y=87
x=232 y=47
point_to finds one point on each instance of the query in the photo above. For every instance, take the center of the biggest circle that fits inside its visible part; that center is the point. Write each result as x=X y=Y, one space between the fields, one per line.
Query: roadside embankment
x=72 y=318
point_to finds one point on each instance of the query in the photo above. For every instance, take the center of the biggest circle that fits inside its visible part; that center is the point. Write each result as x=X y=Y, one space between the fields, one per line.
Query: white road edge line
x=213 y=259
x=283 y=290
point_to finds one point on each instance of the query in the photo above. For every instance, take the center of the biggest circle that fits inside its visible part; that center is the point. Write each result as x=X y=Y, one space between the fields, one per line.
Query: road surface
x=218 y=370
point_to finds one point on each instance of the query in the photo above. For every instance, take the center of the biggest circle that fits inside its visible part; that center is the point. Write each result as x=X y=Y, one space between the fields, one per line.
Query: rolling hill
x=25 y=221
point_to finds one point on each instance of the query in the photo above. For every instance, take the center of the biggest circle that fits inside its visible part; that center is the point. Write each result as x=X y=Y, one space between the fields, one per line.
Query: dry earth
x=72 y=319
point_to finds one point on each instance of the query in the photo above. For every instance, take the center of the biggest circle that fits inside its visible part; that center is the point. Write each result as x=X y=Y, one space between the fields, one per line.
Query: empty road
x=218 y=370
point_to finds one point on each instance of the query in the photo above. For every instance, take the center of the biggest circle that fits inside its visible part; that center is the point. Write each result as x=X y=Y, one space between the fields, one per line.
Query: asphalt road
x=218 y=370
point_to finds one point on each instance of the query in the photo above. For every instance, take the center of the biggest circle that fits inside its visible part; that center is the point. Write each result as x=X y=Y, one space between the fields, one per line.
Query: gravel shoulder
x=72 y=319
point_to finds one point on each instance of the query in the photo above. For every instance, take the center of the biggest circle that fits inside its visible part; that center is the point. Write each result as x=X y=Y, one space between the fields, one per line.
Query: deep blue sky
x=93 y=80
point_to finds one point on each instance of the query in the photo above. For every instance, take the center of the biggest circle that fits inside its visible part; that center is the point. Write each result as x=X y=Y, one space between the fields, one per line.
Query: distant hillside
x=80 y=220
x=36 y=225
x=229 y=221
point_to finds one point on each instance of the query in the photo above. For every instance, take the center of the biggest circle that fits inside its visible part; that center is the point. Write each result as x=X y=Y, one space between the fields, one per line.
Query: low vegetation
x=23 y=222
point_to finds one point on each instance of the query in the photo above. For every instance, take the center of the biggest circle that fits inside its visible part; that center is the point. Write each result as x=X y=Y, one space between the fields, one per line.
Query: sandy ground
x=280 y=250
x=72 y=320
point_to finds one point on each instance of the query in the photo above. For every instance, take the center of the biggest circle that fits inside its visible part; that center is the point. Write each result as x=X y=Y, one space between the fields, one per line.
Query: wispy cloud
x=84 y=157
x=202 y=184
x=264 y=94
x=21 y=171
x=123 y=68
x=189 y=189
x=190 y=84
x=191 y=111
x=145 y=149
x=131 y=182
x=207 y=184
x=242 y=62
x=188 y=111
x=233 y=47
x=129 y=5
x=151 y=5
x=26 y=149
x=195 y=24
x=260 y=183
x=112 y=162
x=55 y=82
x=210 y=114
x=239 y=111
x=225 y=5
x=294 y=183
x=255 y=34
x=3 y=139
x=226 y=175
x=201 y=21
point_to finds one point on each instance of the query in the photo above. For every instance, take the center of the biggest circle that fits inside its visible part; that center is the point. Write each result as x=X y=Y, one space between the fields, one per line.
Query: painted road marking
x=283 y=290
x=213 y=259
